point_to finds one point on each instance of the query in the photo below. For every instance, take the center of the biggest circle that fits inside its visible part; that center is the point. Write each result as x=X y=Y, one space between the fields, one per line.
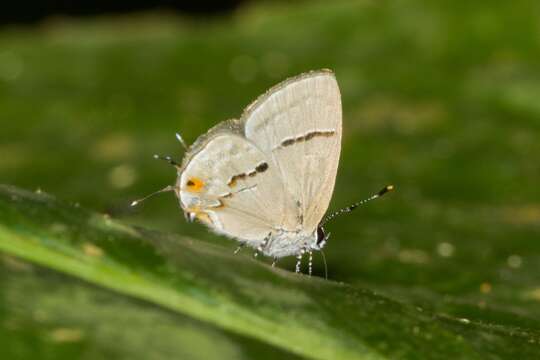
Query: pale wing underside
x=274 y=169
x=238 y=195
x=298 y=126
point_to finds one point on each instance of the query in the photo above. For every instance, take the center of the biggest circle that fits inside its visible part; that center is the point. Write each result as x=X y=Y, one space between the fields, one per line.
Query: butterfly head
x=322 y=238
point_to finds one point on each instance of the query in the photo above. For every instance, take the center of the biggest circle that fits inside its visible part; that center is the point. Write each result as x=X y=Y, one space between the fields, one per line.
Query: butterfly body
x=267 y=178
x=286 y=243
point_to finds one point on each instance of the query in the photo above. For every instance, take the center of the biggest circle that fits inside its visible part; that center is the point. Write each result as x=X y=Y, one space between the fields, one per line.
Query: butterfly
x=267 y=178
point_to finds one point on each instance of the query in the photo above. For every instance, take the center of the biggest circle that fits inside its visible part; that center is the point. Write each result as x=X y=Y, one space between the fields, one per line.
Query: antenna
x=167 y=159
x=355 y=205
x=165 y=189
x=181 y=141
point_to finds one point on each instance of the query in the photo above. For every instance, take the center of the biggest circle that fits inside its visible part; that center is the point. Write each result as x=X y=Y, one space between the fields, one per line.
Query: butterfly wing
x=273 y=169
x=229 y=185
x=297 y=125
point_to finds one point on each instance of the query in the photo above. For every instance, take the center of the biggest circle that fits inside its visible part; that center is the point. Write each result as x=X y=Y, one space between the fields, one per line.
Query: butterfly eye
x=321 y=235
x=194 y=184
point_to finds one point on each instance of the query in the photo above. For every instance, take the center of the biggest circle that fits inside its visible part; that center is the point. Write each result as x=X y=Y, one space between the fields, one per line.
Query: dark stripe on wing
x=306 y=137
x=262 y=167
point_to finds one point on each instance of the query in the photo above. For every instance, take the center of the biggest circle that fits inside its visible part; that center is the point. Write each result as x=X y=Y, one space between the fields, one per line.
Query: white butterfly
x=267 y=178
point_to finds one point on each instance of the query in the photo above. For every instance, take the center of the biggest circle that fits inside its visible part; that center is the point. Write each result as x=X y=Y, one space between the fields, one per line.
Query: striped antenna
x=167 y=159
x=355 y=205
x=165 y=189
x=179 y=138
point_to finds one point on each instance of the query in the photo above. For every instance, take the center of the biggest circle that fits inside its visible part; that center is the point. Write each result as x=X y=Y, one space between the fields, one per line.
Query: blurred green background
x=441 y=99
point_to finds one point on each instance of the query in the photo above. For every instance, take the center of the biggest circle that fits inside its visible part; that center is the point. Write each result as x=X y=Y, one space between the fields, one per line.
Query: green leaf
x=47 y=315
x=307 y=316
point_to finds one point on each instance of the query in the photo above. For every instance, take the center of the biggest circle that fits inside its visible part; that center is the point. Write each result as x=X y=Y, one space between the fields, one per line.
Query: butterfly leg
x=262 y=245
x=310 y=262
x=239 y=248
x=299 y=260
x=274 y=262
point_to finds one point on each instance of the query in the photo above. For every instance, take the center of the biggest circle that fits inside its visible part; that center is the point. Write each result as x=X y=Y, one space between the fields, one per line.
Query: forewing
x=230 y=185
x=297 y=124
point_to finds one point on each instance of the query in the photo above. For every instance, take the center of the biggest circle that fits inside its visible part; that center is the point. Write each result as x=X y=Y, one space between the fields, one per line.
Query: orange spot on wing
x=194 y=184
x=200 y=214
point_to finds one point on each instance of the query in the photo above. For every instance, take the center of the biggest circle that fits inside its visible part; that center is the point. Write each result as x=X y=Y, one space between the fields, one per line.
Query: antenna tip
x=179 y=137
x=156 y=156
x=134 y=203
x=386 y=189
